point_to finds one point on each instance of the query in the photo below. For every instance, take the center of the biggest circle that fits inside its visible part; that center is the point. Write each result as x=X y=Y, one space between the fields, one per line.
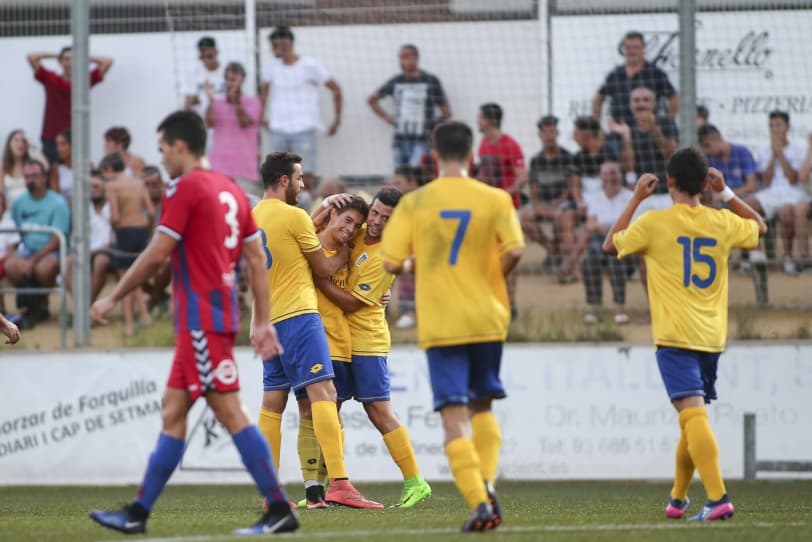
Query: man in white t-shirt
x=293 y=82
x=782 y=196
x=208 y=71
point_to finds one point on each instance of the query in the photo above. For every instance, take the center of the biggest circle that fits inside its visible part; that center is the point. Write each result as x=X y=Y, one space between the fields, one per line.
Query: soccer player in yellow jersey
x=367 y=378
x=465 y=237
x=686 y=248
x=292 y=250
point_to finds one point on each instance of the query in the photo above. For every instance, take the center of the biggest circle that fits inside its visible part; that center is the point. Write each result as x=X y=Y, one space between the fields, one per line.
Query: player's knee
x=275 y=401
x=322 y=391
x=305 y=412
x=382 y=416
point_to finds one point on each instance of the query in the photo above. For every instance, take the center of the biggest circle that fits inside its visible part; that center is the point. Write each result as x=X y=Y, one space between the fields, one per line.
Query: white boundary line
x=507 y=530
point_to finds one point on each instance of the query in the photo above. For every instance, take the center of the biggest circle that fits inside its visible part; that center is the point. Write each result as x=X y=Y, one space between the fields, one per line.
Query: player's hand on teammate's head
x=645 y=186
x=10 y=330
x=716 y=179
x=101 y=308
x=265 y=341
x=338 y=200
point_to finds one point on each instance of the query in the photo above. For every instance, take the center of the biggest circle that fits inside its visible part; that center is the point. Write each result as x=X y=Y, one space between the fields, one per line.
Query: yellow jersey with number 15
x=686 y=251
x=287 y=234
x=457 y=229
x=335 y=323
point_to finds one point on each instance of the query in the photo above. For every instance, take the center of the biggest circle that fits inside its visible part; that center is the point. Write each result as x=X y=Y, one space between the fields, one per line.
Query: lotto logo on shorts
x=316 y=368
x=226 y=372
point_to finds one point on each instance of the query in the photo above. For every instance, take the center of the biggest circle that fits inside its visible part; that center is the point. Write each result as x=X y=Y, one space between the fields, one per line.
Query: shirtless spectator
x=550 y=199
x=131 y=213
x=155 y=288
x=57 y=116
x=783 y=196
x=636 y=71
x=585 y=181
x=118 y=139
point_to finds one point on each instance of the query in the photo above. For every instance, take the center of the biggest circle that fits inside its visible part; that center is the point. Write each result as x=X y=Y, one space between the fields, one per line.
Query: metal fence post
x=749 y=447
x=687 y=72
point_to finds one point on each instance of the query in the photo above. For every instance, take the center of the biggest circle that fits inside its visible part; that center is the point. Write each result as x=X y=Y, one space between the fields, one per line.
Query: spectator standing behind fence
x=6 y=240
x=501 y=164
x=208 y=71
x=131 y=213
x=416 y=95
x=779 y=164
x=16 y=152
x=636 y=71
x=550 y=198
x=35 y=261
x=61 y=177
x=406 y=179
x=118 y=139
x=293 y=82
x=57 y=116
x=585 y=181
x=604 y=209
x=234 y=121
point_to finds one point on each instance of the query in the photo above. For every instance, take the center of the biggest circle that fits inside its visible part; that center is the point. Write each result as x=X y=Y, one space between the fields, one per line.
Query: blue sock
x=256 y=456
x=165 y=457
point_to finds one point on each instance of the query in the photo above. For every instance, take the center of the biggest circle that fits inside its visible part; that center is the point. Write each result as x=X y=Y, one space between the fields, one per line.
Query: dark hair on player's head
x=777 y=114
x=355 y=202
x=634 y=35
x=547 y=120
x=281 y=33
x=412 y=47
x=588 y=123
x=66 y=49
x=388 y=195
x=689 y=168
x=493 y=112
x=278 y=165
x=709 y=131
x=113 y=161
x=119 y=135
x=186 y=126
x=206 y=42
x=453 y=141
x=235 y=67
x=702 y=112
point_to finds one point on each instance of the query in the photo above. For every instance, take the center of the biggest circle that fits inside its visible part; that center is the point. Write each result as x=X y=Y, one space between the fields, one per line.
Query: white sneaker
x=790 y=267
x=591 y=319
x=406 y=321
x=621 y=318
x=757 y=256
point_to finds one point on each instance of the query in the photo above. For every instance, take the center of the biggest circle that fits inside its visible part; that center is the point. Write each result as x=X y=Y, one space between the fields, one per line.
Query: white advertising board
x=573 y=412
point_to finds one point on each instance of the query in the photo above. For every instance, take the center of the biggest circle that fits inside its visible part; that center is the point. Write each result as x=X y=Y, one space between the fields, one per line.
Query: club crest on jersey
x=361 y=259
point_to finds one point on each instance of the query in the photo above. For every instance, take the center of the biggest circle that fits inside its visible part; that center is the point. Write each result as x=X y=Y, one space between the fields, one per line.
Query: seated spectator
x=735 y=161
x=15 y=153
x=156 y=287
x=779 y=164
x=594 y=151
x=118 y=139
x=131 y=214
x=34 y=262
x=7 y=239
x=550 y=198
x=646 y=146
x=406 y=179
x=604 y=209
x=234 y=120
x=61 y=180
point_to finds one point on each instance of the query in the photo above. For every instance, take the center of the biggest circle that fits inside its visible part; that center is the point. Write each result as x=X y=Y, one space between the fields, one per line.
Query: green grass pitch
x=550 y=511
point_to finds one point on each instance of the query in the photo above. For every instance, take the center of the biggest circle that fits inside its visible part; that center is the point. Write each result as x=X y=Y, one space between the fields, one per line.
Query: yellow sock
x=487 y=440
x=684 y=470
x=270 y=425
x=703 y=450
x=464 y=463
x=328 y=432
x=309 y=451
x=400 y=448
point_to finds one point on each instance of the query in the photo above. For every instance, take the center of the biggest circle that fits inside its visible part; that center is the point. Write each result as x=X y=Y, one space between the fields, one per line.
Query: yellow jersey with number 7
x=457 y=229
x=686 y=251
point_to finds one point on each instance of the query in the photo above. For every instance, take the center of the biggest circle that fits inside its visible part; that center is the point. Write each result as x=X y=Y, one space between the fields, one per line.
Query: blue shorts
x=688 y=373
x=469 y=372
x=366 y=379
x=306 y=359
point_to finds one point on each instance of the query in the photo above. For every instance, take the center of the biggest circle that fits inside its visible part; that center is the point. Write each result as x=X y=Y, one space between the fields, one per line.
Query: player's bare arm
x=716 y=180
x=644 y=188
x=10 y=330
x=323 y=266
x=262 y=332
x=341 y=297
x=144 y=267
x=510 y=259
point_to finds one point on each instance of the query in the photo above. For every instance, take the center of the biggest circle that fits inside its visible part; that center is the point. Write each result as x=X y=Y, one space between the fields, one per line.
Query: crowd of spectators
x=566 y=199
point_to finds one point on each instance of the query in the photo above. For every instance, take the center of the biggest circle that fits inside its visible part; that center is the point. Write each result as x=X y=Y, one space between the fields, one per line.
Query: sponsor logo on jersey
x=361 y=259
x=365 y=287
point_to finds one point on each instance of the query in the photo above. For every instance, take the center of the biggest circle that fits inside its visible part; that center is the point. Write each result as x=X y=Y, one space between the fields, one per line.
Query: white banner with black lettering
x=572 y=412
